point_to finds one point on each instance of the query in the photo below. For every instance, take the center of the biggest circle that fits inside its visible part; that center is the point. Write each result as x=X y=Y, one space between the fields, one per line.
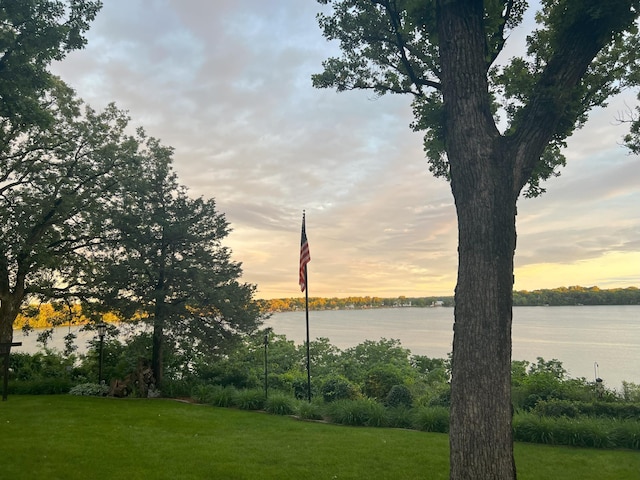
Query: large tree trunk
x=481 y=433
x=482 y=182
x=7 y=318
x=10 y=303
x=157 y=348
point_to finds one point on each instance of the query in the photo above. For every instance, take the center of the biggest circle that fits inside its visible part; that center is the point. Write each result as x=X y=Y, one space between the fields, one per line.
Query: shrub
x=300 y=387
x=250 y=399
x=338 y=388
x=204 y=393
x=533 y=428
x=44 y=386
x=378 y=416
x=399 y=395
x=431 y=419
x=626 y=434
x=630 y=392
x=379 y=382
x=614 y=410
x=90 y=389
x=440 y=396
x=578 y=432
x=309 y=411
x=556 y=408
x=582 y=432
x=400 y=417
x=280 y=404
x=223 y=396
x=357 y=412
x=177 y=388
x=571 y=409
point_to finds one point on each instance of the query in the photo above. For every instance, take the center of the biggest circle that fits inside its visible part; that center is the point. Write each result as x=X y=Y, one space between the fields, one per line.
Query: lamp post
x=102 y=329
x=266 y=377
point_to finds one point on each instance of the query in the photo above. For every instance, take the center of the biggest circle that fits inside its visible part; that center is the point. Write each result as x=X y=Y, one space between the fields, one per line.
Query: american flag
x=305 y=257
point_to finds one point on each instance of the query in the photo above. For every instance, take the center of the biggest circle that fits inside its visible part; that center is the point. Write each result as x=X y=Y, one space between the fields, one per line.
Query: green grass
x=69 y=437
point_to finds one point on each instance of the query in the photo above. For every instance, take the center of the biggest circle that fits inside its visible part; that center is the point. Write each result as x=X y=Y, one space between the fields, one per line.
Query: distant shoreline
x=561 y=296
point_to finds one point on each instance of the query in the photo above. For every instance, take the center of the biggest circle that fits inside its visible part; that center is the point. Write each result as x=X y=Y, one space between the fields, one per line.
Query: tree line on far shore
x=575 y=295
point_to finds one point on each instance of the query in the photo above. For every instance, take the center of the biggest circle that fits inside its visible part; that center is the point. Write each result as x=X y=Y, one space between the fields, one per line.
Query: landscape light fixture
x=102 y=330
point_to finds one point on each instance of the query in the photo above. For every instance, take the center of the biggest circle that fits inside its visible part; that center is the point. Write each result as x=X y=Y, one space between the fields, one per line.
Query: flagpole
x=306 y=304
x=305 y=257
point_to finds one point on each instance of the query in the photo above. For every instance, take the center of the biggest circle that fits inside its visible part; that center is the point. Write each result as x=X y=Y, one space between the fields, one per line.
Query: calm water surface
x=579 y=336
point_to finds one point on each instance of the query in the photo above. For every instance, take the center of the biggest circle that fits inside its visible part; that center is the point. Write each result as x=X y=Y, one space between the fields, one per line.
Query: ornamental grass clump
x=626 y=434
x=280 y=404
x=400 y=417
x=362 y=412
x=431 y=419
x=582 y=431
x=250 y=399
x=223 y=396
x=204 y=393
x=309 y=411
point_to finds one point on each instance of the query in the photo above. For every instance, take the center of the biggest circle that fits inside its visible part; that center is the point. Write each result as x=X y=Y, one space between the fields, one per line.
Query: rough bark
x=157 y=350
x=11 y=299
x=481 y=439
x=482 y=184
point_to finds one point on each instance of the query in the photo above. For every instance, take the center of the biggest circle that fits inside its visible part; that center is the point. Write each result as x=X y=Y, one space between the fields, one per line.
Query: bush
x=309 y=411
x=90 y=389
x=280 y=404
x=399 y=396
x=177 y=388
x=379 y=382
x=431 y=419
x=400 y=417
x=533 y=428
x=626 y=434
x=567 y=408
x=250 y=399
x=556 y=408
x=338 y=388
x=440 y=396
x=363 y=412
x=204 y=393
x=577 y=432
x=223 y=396
x=44 y=386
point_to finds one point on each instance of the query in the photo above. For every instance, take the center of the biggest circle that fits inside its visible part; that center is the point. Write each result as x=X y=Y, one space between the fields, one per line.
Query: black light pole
x=266 y=378
x=102 y=329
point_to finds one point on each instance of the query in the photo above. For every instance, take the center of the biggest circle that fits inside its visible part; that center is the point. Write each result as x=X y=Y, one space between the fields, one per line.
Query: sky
x=227 y=84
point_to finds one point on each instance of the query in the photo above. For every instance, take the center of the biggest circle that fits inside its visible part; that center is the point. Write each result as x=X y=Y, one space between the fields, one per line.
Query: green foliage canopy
x=33 y=33
x=393 y=46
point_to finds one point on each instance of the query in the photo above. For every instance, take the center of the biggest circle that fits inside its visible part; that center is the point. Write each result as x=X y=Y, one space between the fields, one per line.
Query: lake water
x=580 y=337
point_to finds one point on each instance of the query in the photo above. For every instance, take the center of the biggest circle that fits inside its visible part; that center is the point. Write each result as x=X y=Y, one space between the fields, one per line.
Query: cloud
x=228 y=85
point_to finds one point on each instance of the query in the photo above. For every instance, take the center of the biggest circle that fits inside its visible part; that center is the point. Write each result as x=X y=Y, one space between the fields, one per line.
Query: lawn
x=68 y=437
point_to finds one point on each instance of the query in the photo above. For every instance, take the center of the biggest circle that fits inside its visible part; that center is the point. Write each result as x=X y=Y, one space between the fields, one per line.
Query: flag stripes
x=305 y=257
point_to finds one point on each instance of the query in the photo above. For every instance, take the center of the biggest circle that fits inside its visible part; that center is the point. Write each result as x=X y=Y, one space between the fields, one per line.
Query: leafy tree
x=324 y=356
x=57 y=185
x=169 y=267
x=33 y=33
x=380 y=380
x=446 y=55
x=356 y=362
